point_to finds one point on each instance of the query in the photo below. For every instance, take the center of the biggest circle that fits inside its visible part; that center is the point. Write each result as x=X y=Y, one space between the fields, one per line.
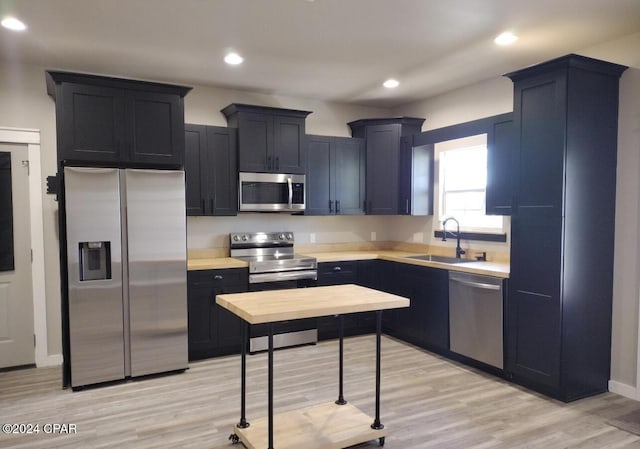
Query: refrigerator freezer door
x=96 y=333
x=157 y=250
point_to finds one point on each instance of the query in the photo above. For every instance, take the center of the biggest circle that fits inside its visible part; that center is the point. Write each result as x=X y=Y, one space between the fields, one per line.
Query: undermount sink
x=441 y=259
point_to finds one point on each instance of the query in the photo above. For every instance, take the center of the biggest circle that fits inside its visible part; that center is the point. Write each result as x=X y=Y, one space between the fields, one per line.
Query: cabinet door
x=416 y=178
x=501 y=145
x=336 y=273
x=228 y=324
x=383 y=159
x=91 y=123
x=541 y=106
x=348 y=166
x=194 y=173
x=255 y=138
x=222 y=171
x=156 y=128
x=289 y=151
x=318 y=181
x=435 y=295
x=533 y=304
x=202 y=319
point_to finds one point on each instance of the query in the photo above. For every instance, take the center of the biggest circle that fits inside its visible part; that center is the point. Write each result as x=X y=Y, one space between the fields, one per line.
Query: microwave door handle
x=290 y=192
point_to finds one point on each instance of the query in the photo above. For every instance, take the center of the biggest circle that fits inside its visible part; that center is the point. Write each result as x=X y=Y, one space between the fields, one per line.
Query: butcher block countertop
x=292 y=304
x=215 y=259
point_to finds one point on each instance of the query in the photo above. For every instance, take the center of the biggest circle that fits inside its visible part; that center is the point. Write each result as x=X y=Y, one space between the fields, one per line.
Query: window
x=462 y=181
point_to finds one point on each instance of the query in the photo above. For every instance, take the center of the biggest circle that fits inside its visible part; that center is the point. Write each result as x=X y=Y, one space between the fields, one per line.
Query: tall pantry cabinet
x=560 y=294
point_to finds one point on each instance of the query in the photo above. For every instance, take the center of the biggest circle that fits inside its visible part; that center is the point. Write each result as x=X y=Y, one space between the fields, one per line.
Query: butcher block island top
x=333 y=425
x=296 y=303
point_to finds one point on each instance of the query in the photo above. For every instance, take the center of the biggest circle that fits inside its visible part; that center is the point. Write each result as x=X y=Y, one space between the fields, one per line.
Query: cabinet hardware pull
x=277 y=162
x=337 y=268
x=218 y=277
x=337 y=206
x=203 y=206
x=330 y=205
x=268 y=162
x=211 y=204
x=407 y=206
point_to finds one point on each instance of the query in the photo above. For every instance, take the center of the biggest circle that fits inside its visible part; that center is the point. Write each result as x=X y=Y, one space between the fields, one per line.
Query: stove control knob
x=289 y=236
x=245 y=238
x=281 y=236
x=236 y=238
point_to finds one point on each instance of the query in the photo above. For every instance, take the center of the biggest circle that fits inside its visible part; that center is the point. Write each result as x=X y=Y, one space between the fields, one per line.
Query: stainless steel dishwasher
x=475 y=317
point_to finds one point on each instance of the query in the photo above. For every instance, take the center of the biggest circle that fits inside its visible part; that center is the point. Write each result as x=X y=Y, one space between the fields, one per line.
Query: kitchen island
x=329 y=425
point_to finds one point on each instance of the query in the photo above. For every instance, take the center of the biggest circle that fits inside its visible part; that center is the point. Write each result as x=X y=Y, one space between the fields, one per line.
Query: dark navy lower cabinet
x=213 y=330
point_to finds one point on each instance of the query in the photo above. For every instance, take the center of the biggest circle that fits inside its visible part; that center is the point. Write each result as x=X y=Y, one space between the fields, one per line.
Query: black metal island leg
x=244 y=341
x=243 y=424
x=270 y=415
x=340 y=400
x=376 y=423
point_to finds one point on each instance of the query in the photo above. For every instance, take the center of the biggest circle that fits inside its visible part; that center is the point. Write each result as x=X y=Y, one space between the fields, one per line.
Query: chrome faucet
x=459 y=250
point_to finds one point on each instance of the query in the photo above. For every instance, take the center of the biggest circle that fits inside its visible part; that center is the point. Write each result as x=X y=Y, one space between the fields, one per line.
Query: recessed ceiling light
x=391 y=83
x=13 y=24
x=233 y=58
x=506 y=38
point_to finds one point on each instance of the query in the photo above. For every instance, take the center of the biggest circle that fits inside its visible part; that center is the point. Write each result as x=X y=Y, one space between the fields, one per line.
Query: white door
x=16 y=297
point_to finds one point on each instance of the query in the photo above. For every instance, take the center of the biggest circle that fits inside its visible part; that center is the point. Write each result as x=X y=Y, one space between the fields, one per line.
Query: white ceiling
x=340 y=50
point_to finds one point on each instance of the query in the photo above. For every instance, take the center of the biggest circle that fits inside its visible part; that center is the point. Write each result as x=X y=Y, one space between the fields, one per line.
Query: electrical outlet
x=373 y=236
x=312 y=238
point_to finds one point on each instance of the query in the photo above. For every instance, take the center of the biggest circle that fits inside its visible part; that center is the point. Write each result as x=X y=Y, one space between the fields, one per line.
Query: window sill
x=479 y=236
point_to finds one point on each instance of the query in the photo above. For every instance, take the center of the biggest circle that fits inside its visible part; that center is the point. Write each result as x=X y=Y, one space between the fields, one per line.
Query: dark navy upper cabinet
x=120 y=122
x=564 y=163
x=382 y=141
x=416 y=177
x=501 y=142
x=335 y=175
x=270 y=140
x=211 y=173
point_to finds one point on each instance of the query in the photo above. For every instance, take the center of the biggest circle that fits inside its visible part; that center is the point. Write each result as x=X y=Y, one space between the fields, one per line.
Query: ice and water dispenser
x=95 y=261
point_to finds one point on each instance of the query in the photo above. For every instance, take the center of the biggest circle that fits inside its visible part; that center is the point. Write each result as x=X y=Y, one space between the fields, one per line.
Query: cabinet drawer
x=334 y=268
x=220 y=278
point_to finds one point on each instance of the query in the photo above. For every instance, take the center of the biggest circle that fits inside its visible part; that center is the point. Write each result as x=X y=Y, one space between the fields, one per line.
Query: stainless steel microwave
x=271 y=192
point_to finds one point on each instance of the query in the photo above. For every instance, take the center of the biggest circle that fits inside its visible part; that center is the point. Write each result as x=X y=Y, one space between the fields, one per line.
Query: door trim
x=31 y=138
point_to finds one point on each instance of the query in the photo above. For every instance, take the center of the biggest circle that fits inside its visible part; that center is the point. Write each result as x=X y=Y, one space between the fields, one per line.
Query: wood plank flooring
x=427 y=402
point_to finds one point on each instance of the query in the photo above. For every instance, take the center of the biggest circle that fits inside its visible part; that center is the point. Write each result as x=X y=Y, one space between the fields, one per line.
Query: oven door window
x=266 y=193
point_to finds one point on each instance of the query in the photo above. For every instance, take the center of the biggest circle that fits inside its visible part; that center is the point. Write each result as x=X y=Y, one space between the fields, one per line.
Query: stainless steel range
x=274 y=265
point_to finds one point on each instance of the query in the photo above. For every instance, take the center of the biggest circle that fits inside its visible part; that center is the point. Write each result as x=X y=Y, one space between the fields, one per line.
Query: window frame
x=458 y=131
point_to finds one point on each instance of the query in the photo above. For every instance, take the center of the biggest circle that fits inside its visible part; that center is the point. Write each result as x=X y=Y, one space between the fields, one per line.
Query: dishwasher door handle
x=481 y=285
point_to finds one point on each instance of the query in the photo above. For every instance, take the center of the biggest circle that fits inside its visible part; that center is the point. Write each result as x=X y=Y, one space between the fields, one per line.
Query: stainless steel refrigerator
x=126 y=270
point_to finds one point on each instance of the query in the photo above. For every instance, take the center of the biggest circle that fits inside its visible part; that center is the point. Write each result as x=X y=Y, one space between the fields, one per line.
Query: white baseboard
x=51 y=360
x=625 y=390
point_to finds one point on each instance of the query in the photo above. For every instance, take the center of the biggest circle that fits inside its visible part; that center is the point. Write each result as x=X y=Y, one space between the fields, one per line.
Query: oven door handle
x=274 y=277
x=290 y=192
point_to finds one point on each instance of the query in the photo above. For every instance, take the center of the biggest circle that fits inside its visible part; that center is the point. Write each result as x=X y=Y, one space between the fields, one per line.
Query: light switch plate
x=312 y=237
x=373 y=236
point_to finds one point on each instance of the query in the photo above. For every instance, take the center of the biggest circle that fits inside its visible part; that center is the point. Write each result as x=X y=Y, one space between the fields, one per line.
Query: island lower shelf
x=324 y=426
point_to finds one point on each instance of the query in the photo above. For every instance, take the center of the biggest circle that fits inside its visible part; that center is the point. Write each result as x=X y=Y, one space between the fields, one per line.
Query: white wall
x=25 y=104
x=626 y=289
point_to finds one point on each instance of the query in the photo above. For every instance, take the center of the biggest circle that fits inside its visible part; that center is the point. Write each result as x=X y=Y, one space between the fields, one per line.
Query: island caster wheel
x=381 y=441
x=235 y=439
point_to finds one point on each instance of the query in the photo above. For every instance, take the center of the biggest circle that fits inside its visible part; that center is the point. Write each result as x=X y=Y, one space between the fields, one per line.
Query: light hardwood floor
x=427 y=402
